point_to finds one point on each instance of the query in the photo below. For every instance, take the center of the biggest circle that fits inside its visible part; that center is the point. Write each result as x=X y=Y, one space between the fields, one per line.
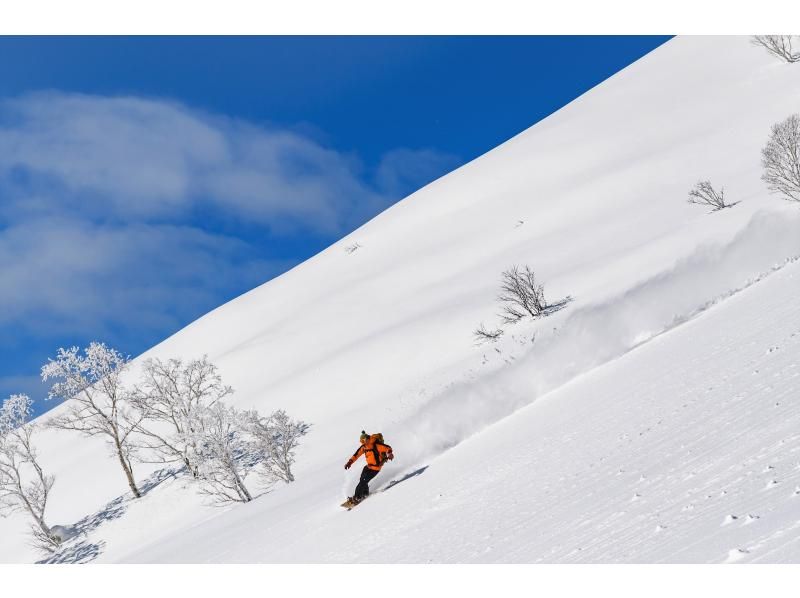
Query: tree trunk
x=243 y=491
x=39 y=519
x=128 y=470
x=42 y=525
x=29 y=507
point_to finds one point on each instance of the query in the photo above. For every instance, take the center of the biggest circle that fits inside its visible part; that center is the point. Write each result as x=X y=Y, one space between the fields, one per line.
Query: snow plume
x=596 y=334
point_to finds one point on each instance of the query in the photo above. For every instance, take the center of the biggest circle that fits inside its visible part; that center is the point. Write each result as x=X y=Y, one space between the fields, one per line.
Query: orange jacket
x=374 y=452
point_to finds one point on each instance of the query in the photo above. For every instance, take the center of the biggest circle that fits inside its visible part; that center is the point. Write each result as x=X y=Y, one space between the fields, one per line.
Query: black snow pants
x=362 y=490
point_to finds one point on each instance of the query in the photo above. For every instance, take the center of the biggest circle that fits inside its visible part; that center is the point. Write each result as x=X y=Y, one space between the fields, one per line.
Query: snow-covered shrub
x=520 y=295
x=97 y=402
x=277 y=436
x=781 y=159
x=23 y=484
x=228 y=452
x=172 y=398
x=779 y=46
x=704 y=194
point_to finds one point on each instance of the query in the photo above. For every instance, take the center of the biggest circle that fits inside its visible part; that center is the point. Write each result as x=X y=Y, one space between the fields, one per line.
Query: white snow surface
x=655 y=418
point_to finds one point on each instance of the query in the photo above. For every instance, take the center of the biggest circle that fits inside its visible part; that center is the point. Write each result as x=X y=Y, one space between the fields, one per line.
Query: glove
x=347 y=465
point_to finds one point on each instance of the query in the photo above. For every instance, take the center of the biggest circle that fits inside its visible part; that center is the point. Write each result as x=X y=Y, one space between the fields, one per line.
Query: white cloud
x=134 y=158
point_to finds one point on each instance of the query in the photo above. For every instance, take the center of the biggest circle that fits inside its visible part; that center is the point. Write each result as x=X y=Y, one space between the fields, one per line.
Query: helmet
x=364 y=437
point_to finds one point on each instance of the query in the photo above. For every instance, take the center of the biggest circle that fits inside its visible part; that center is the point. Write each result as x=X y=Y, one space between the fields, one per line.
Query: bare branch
x=482 y=335
x=704 y=194
x=520 y=295
x=778 y=45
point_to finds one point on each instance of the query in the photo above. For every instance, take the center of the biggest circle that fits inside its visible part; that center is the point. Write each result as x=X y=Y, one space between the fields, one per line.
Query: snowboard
x=349 y=504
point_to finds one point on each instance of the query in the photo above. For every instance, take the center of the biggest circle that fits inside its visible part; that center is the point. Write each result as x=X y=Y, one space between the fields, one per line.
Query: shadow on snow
x=77 y=549
x=408 y=476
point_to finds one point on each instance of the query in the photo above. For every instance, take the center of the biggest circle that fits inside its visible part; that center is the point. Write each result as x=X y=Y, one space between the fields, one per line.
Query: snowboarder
x=376 y=452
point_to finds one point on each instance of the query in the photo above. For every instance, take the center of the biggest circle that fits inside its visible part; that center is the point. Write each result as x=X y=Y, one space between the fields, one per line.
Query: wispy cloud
x=134 y=158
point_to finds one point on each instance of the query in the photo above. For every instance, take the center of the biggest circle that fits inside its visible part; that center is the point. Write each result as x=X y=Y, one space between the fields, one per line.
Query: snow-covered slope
x=648 y=420
x=686 y=449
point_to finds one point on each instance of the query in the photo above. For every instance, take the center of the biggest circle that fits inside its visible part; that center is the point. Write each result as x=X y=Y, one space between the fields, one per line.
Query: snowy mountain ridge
x=646 y=421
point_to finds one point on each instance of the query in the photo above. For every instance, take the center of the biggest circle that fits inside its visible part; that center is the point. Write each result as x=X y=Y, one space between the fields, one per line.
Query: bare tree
x=521 y=295
x=97 y=402
x=172 y=398
x=778 y=45
x=277 y=437
x=704 y=194
x=781 y=159
x=23 y=483
x=228 y=453
x=482 y=335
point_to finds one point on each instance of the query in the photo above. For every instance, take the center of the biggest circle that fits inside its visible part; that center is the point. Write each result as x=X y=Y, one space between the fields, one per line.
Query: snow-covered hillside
x=654 y=418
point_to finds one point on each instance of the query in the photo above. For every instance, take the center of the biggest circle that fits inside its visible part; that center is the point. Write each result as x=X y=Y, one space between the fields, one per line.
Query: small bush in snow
x=171 y=399
x=482 y=335
x=23 y=484
x=277 y=436
x=704 y=194
x=781 y=159
x=97 y=402
x=521 y=295
x=779 y=46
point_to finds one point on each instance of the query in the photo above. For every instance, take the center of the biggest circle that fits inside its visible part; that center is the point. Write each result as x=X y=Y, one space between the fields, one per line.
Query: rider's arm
x=356 y=455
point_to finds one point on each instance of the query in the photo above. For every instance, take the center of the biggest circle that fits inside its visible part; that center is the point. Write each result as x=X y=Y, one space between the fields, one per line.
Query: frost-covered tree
x=172 y=398
x=704 y=194
x=779 y=46
x=97 y=402
x=277 y=436
x=23 y=484
x=521 y=295
x=228 y=452
x=781 y=159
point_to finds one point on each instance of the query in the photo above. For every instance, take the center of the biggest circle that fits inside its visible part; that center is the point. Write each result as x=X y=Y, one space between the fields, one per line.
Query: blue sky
x=145 y=180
